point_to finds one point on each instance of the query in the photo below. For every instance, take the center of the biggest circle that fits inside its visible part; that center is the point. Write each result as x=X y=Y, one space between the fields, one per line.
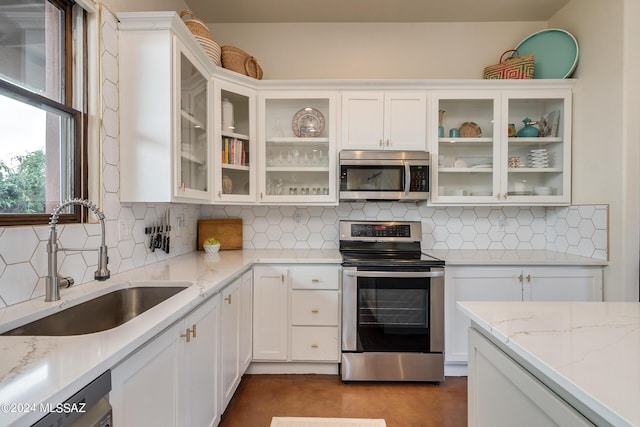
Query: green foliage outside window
x=22 y=184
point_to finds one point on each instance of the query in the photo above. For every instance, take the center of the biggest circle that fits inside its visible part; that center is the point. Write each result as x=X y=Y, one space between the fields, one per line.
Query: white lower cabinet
x=503 y=393
x=510 y=283
x=297 y=313
x=270 y=313
x=235 y=335
x=172 y=380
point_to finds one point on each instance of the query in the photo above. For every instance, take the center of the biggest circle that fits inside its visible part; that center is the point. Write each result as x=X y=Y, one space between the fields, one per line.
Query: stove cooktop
x=384 y=259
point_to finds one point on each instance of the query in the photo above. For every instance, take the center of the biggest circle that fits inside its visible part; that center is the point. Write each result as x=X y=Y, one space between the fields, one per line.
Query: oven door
x=393 y=311
x=374 y=179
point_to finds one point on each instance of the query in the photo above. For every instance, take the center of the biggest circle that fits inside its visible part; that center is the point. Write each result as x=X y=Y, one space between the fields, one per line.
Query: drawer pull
x=529 y=278
x=228 y=299
x=315 y=311
x=193 y=330
x=187 y=335
x=315 y=280
x=314 y=346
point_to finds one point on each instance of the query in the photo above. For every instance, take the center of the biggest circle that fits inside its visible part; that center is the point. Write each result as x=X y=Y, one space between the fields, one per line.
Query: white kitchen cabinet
x=308 y=325
x=394 y=120
x=235 y=335
x=270 y=313
x=510 y=283
x=165 y=119
x=504 y=393
x=235 y=155
x=486 y=164
x=199 y=366
x=145 y=386
x=246 y=321
x=298 y=147
x=173 y=379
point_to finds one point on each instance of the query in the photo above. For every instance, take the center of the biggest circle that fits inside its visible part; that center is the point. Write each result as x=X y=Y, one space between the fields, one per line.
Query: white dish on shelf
x=483 y=165
x=542 y=191
x=308 y=122
x=459 y=163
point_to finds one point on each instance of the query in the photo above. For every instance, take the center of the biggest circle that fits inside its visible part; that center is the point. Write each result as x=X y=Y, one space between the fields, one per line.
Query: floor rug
x=325 y=422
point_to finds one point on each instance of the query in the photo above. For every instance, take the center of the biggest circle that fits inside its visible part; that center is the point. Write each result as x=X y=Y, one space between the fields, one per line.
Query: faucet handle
x=65 y=282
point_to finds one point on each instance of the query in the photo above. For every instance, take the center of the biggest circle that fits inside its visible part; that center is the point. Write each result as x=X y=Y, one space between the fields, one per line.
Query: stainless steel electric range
x=392 y=304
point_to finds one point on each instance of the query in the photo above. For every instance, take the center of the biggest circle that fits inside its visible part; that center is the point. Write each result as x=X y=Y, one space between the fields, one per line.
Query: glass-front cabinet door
x=538 y=147
x=468 y=147
x=298 y=148
x=502 y=147
x=235 y=156
x=192 y=148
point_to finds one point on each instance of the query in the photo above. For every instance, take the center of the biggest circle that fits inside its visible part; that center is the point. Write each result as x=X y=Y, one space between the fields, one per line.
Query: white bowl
x=542 y=191
x=211 y=249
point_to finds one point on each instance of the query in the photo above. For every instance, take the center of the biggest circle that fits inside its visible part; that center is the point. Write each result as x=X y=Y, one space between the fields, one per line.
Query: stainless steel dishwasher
x=87 y=408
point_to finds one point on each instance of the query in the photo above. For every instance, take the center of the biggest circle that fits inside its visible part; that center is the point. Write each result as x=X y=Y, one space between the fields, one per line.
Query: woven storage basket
x=236 y=59
x=202 y=34
x=513 y=67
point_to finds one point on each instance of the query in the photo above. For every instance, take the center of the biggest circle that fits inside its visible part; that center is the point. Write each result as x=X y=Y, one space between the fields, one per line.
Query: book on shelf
x=234 y=152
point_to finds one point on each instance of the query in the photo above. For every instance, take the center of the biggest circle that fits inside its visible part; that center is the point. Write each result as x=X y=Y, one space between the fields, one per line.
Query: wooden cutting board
x=228 y=231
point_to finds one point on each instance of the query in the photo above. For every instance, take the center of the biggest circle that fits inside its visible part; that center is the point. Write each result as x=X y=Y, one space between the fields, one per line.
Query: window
x=43 y=124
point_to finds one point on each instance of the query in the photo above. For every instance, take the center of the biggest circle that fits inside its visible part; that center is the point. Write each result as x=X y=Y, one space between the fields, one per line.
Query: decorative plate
x=470 y=130
x=555 y=53
x=308 y=122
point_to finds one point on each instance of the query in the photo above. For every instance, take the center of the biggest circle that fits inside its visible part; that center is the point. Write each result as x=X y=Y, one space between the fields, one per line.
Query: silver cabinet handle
x=407 y=274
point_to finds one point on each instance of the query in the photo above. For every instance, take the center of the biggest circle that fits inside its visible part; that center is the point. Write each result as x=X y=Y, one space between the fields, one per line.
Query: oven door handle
x=406 y=274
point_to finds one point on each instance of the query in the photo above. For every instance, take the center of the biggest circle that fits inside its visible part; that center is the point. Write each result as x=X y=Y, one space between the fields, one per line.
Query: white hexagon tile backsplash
x=579 y=230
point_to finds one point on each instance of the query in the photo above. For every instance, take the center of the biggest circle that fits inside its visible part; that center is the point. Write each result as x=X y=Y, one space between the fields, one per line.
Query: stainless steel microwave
x=384 y=175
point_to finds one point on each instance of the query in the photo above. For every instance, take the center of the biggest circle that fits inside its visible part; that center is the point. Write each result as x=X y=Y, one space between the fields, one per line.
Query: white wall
x=605 y=114
x=374 y=50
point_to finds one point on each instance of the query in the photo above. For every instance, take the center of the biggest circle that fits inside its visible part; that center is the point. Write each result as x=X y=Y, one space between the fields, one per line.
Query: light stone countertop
x=588 y=352
x=511 y=257
x=41 y=370
x=37 y=370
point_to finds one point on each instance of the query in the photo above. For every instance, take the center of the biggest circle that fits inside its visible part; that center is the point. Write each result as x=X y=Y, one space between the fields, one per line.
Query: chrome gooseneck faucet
x=53 y=281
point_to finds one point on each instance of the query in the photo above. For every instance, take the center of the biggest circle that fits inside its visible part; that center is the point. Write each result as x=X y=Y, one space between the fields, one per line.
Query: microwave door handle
x=394 y=274
x=407 y=178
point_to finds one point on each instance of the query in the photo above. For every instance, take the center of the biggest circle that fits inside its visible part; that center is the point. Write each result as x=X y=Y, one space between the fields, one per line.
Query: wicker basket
x=238 y=60
x=202 y=34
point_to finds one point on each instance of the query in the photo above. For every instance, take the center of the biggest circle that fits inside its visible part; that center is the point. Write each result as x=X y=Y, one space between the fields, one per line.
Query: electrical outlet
x=501 y=222
x=180 y=221
x=124 y=230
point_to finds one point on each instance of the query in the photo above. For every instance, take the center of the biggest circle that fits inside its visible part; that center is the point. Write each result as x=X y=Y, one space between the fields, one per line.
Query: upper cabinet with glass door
x=298 y=147
x=234 y=153
x=192 y=159
x=165 y=120
x=502 y=147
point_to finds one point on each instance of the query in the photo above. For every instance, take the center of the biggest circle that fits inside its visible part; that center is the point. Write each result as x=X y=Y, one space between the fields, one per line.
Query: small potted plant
x=211 y=245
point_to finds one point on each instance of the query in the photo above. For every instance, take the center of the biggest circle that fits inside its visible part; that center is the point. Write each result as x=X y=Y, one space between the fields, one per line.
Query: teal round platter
x=555 y=53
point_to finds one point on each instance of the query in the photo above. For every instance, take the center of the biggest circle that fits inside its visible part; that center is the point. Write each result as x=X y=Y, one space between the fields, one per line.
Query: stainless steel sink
x=99 y=314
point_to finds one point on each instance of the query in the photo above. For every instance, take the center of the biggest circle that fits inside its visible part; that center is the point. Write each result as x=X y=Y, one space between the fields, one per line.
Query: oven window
x=393 y=315
x=372 y=178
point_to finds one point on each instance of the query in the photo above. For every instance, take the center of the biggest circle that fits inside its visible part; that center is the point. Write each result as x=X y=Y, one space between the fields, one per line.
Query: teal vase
x=528 y=131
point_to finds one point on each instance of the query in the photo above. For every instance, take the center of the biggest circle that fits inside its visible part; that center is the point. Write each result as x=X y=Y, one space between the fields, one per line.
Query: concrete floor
x=260 y=397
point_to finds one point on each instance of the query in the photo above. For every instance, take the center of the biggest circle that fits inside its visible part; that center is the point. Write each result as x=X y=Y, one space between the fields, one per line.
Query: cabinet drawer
x=314 y=308
x=315 y=277
x=317 y=343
